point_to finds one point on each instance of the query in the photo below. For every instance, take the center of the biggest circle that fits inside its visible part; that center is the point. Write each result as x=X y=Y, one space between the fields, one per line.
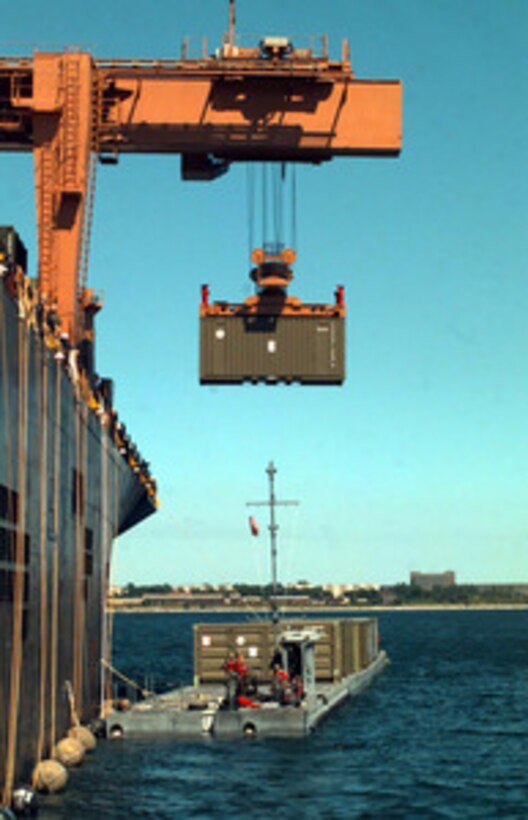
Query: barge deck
x=197 y=711
x=293 y=680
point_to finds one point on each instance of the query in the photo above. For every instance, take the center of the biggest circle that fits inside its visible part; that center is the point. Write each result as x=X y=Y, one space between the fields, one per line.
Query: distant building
x=340 y=590
x=428 y=581
x=335 y=590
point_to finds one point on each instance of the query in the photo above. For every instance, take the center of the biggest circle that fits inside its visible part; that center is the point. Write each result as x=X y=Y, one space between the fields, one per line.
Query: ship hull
x=66 y=491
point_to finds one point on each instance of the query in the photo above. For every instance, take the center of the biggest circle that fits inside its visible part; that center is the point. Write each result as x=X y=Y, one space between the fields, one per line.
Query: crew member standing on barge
x=237 y=677
x=281 y=684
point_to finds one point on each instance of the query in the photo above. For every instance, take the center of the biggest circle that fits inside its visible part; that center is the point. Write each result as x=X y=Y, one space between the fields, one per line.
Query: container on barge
x=258 y=679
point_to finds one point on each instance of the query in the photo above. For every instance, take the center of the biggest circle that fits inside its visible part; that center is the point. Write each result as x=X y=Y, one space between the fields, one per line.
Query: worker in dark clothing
x=297 y=689
x=281 y=684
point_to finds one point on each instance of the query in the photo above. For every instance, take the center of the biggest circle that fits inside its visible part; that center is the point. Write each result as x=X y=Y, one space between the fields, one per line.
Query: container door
x=219 y=345
x=325 y=348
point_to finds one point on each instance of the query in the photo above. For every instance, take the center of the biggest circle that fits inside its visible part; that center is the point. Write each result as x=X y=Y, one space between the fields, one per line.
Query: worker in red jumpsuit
x=237 y=677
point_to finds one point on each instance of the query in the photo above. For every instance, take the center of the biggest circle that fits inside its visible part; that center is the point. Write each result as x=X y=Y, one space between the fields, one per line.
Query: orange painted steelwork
x=255 y=305
x=243 y=104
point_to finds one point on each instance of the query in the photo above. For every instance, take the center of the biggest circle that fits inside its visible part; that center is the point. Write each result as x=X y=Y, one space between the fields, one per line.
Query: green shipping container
x=345 y=646
x=263 y=348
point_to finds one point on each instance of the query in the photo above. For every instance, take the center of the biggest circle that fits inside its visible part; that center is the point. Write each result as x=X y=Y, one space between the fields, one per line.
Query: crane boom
x=268 y=103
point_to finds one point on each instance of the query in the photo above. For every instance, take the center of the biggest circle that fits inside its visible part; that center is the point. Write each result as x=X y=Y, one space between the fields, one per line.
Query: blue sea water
x=443 y=733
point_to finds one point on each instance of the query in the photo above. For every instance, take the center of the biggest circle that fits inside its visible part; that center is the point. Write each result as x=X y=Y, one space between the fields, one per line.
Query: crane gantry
x=271 y=102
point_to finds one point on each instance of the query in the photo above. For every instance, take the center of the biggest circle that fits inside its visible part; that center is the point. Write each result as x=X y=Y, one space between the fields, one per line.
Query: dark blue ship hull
x=67 y=489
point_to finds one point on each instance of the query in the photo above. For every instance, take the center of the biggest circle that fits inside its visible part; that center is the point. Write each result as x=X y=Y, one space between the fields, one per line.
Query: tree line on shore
x=401 y=594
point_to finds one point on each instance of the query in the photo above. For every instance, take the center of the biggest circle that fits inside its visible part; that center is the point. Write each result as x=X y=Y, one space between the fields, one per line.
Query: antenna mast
x=273 y=527
x=231 y=25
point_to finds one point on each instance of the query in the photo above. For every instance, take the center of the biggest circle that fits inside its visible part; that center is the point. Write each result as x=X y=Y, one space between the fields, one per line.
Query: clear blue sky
x=421 y=460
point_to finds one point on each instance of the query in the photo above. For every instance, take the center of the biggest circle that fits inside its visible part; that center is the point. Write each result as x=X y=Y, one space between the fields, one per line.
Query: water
x=443 y=733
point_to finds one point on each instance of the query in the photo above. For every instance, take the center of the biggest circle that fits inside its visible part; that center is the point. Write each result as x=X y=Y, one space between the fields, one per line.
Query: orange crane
x=271 y=102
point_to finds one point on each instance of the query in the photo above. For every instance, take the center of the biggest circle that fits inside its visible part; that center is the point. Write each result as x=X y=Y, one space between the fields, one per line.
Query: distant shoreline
x=127 y=610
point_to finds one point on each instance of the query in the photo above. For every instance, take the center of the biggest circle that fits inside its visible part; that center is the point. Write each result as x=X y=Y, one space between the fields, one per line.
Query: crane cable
x=196 y=547
x=264 y=203
x=43 y=397
x=105 y=562
x=55 y=566
x=276 y=184
x=277 y=205
x=19 y=575
x=293 y=226
x=114 y=501
x=6 y=396
x=250 y=205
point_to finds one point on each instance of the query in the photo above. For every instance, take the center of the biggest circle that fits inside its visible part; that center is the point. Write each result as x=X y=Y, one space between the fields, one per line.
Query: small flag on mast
x=253 y=526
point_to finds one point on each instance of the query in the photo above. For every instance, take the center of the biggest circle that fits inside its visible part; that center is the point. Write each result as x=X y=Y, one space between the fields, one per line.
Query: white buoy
x=83 y=734
x=49 y=776
x=69 y=751
x=116 y=732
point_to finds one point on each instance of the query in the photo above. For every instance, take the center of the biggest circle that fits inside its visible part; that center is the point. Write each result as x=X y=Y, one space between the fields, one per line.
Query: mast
x=231 y=25
x=273 y=528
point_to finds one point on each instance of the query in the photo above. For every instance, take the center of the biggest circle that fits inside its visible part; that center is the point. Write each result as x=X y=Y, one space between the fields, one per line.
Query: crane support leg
x=63 y=140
